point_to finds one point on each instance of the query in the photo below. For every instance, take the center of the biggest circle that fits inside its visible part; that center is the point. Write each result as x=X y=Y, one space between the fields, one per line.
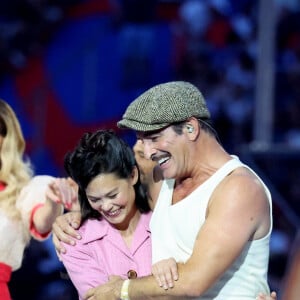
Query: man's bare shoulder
x=242 y=183
x=241 y=196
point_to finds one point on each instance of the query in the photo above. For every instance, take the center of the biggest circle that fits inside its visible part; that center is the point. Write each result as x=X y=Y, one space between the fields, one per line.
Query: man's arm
x=238 y=211
x=64 y=229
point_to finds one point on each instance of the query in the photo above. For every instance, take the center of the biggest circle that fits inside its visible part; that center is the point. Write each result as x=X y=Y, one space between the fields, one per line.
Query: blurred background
x=70 y=66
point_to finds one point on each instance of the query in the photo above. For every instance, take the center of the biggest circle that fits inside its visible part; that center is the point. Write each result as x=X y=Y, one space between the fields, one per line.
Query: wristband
x=124 y=290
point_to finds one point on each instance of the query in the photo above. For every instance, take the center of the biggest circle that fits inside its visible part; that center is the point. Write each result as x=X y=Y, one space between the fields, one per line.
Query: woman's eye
x=94 y=200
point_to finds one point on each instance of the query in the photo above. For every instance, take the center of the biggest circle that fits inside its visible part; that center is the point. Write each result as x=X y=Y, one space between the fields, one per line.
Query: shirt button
x=131 y=274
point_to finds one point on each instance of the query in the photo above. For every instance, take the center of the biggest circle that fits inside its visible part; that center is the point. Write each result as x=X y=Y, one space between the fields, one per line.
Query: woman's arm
x=84 y=269
x=60 y=193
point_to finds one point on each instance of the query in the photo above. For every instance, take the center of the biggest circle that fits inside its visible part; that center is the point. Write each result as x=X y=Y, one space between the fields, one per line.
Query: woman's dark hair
x=102 y=152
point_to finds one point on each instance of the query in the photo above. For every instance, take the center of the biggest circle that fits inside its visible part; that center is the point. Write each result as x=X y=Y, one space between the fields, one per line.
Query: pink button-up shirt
x=102 y=252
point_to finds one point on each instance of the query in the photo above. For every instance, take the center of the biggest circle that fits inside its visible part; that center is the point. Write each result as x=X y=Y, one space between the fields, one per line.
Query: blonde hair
x=15 y=170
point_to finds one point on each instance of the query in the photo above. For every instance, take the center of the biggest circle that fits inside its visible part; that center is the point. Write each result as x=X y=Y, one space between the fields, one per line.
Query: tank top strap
x=226 y=169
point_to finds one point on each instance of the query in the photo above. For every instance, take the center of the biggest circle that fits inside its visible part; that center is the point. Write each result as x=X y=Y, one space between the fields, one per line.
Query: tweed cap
x=163 y=105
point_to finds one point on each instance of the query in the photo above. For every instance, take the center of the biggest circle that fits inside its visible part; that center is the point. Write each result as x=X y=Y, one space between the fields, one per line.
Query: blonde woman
x=27 y=208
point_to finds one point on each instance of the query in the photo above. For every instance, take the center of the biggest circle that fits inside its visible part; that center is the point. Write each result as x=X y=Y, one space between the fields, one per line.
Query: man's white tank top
x=174 y=229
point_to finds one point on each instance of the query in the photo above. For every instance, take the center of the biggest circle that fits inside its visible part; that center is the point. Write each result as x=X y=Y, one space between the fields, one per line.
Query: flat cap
x=163 y=105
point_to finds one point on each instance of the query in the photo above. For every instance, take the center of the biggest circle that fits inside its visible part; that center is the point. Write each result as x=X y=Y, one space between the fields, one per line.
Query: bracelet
x=124 y=290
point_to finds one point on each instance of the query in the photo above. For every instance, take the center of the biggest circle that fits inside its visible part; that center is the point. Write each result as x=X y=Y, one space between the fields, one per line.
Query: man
x=213 y=214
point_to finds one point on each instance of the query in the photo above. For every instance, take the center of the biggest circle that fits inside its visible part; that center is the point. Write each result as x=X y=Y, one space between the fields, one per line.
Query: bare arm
x=35 y=206
x=45 y=215
x=65 y=191
x=60 y=193
x=238 y=212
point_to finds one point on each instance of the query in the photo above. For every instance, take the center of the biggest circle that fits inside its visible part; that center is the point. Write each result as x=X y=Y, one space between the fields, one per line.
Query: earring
x=190 y=128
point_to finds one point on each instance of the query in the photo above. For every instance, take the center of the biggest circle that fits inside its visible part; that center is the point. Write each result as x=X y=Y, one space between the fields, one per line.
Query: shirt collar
x=94 y=229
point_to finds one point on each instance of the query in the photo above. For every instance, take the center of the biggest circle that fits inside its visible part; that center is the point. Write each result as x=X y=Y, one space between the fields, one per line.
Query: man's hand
x=165 y=273
x=64 y=229
x=108 y=291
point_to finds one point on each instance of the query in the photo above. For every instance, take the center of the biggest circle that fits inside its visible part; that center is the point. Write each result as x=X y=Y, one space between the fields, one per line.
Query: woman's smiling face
x=112 y=197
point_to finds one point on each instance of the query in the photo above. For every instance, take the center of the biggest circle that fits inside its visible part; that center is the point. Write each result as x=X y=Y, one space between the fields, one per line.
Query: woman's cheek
x=122 y=200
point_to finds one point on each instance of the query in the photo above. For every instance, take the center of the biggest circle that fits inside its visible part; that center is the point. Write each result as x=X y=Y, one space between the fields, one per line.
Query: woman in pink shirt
x=115 y=231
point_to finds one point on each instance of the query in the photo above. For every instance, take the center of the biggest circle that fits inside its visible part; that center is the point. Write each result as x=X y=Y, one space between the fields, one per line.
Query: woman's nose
x=106 y=206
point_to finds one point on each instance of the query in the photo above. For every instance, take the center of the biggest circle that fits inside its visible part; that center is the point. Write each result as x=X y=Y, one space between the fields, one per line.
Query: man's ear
x=192 y=127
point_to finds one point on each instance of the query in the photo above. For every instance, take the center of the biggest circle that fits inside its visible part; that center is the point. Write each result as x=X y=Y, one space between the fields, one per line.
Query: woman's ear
x=134 y=175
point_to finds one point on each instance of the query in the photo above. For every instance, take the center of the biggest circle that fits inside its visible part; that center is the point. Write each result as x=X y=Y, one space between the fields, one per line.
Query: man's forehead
x=145 y=134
